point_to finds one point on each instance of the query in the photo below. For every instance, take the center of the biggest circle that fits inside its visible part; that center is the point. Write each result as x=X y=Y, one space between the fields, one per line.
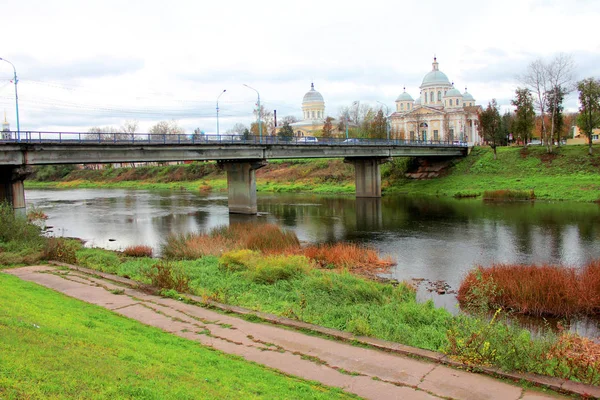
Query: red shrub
x=138 y=251
x=536 y=290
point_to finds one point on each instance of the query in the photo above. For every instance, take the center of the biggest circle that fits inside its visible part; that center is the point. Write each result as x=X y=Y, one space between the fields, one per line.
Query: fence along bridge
x=239 y=156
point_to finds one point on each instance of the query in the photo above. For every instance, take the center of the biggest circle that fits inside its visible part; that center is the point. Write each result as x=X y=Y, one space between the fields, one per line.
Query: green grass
x=568 y=174
x=56 y=347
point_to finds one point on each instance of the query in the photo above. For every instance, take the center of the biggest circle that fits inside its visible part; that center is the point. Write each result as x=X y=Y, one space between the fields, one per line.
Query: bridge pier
x=241 y=185
x=11 y=186
x=367 y=175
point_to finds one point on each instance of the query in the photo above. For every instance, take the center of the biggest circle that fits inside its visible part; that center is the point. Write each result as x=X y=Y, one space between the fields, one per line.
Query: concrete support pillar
x=241 y=185
x=11 y=186
x=367 y=175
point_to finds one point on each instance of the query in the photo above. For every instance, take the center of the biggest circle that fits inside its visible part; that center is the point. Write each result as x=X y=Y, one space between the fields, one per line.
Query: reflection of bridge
x=239 y=156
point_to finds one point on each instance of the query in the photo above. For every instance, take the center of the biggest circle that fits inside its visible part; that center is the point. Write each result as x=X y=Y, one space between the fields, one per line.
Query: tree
x=556 y=96
x=286 y=132
x=107 y=134
x=267 y=121
x=489 y=125
x=167 y=128
x=589 y=107
x=378 y=126
x=524 y=120
x=540 y=78
x=506 y=127
x=328 y=127
x=237 y=129
x=130 y=126
x=290 y=119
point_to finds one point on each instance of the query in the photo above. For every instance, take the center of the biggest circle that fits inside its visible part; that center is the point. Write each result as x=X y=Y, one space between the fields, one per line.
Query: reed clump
x=544 y=290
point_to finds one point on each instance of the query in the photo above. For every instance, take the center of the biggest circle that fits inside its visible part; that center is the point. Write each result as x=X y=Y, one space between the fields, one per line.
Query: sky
x=91 y=63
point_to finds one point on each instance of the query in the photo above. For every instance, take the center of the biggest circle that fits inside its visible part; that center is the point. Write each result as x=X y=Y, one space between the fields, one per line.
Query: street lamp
x=387 y=122
x=259 y=121
x=221 y=94
x=16 y=98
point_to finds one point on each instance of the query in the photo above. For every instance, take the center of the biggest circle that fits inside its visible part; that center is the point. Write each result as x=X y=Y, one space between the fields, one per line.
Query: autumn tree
x=328 y=127
x=286 y=132
x=524 y=120
x=589 y=107
x=267 y=121
x=377 y=126
x=489 y=125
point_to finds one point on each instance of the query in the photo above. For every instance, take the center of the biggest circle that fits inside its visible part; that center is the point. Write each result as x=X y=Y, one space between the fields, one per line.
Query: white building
x=441 y=113
x=313 y=114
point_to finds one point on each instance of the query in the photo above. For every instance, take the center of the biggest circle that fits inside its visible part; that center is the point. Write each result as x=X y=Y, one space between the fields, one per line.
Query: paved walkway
x=369 y=373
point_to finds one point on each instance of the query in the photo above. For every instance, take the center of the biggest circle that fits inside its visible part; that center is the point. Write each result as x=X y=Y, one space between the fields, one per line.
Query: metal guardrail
x=36 y=137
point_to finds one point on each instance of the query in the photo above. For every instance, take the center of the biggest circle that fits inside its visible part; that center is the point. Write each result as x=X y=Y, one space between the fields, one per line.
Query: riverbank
x=262 y=276
x=567 y=174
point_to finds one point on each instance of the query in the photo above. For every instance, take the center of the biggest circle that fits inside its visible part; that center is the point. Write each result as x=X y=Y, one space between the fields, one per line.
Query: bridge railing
x=37 y=137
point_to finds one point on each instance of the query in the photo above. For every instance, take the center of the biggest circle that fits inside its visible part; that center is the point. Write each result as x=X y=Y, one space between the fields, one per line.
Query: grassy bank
x=567 y=174
x=56 y=347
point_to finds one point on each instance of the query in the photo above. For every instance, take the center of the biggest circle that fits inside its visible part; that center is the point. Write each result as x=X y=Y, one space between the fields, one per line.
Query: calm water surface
x=429 y=238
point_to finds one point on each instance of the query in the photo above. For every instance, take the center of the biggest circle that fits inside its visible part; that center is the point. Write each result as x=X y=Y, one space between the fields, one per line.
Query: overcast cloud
x=83 y=64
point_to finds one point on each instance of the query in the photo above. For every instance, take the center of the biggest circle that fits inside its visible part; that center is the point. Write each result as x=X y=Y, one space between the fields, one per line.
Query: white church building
x=440 y=113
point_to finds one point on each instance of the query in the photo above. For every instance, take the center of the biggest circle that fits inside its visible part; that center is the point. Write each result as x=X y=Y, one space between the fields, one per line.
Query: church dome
x=312 y=95
x=453 y=93
x=467 y=96
x=435 y=76
x=418 y=101
x=404 y=97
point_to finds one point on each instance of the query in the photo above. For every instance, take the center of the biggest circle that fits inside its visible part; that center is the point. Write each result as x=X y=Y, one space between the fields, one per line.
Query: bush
x=347 y=255
x=165 y=275
x=262 y=268
x=270 y=269
x=61 y=249
x=99 y=259
x=15 y=228
x=138 y=251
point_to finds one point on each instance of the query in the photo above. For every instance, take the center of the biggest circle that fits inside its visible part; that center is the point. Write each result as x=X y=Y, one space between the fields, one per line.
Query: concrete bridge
x=237 y=155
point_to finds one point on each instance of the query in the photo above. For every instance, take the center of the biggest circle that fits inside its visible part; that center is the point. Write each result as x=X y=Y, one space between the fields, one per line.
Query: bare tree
x=130 y=126
x=167 y=128
x=542 y=77
x=237 y=129
x=106 y=134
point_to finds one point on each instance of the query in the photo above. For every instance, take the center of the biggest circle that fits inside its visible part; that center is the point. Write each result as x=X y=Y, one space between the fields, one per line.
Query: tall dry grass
x=545 y=290
x=347 y=255
x=262 y=237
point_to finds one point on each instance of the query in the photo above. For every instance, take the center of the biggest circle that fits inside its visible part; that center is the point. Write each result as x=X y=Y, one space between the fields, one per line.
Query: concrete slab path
x=369 y=373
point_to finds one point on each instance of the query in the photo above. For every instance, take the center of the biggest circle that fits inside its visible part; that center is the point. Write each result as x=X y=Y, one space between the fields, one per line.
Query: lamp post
x=16 y=98
x=224 y=90
x=387 y=122
x=259 y=121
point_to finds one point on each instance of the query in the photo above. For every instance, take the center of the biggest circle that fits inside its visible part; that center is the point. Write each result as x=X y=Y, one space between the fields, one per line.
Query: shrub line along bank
x=567 y=174
x=556 y=384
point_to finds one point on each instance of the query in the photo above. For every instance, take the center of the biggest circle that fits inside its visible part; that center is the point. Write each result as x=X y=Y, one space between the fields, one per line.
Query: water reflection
x=430 y=238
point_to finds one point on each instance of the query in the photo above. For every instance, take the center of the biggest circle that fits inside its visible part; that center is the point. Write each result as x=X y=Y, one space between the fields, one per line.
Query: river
x=430 y=238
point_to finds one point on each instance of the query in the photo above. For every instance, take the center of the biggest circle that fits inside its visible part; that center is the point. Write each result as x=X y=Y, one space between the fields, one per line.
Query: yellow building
x=581 y=138
x=441 y=113
x=313 y=114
